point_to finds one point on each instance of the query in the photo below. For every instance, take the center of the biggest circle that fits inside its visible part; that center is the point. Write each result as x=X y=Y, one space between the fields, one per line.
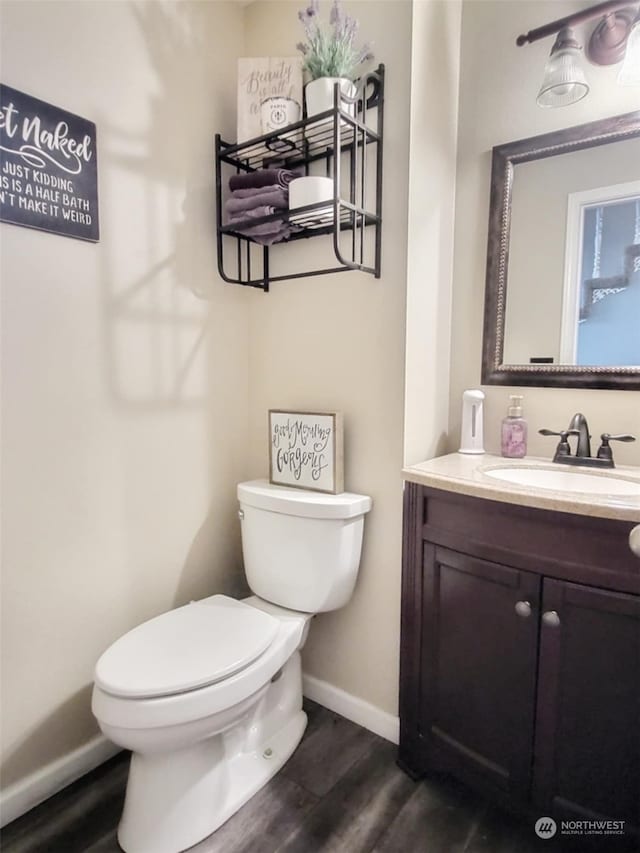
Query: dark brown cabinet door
x=587 y=746
x=477 y=692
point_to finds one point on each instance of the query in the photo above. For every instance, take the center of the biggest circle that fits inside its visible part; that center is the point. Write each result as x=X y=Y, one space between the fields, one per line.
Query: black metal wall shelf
x=357 y=187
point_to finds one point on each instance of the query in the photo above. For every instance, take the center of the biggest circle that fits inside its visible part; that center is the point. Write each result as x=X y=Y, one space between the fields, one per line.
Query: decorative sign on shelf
x=48 y=167
x=269 y=94
x=305 y=450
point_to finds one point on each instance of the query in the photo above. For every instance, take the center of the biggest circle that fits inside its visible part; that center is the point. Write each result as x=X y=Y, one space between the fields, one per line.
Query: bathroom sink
x=563 y=480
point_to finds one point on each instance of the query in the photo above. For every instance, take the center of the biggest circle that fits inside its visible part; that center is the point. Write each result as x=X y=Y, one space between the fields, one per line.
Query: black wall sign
x=48 y=167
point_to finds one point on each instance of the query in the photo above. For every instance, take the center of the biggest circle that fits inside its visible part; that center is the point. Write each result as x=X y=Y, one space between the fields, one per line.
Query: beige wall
x=499 y=83
x=337 y=343
x=434 y=126
x=125 y=368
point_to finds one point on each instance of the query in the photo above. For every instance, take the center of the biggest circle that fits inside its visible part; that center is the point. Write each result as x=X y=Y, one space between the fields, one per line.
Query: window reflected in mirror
x=603 y=311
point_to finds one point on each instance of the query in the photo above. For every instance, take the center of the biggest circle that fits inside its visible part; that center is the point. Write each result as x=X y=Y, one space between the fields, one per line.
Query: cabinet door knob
x=551 y=618
x=634 y=540
x=523 y=609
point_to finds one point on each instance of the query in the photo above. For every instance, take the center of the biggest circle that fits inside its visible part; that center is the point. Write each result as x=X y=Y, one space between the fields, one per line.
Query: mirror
x=562 y=299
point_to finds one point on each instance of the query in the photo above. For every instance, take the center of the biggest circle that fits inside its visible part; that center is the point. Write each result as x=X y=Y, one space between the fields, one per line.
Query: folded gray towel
x=264 y=233
x=254 y=213
x=267 y=233
x=277 y=198
x=263 y=178
x=249 y=192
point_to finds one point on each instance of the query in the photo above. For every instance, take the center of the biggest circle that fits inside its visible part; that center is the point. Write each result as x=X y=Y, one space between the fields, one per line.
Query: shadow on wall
x=52 y=738
x=158 y=219
x=168 y=320
x=226 y=577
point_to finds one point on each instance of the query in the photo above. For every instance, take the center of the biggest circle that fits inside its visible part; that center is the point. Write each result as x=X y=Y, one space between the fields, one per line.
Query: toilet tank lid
x=265 y=495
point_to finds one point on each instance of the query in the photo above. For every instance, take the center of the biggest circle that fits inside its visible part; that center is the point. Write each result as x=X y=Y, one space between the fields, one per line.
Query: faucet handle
x=604 y=451
x=563 y=448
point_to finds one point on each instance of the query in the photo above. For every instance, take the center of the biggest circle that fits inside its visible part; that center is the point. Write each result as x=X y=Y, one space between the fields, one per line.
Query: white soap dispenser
x=471 y=439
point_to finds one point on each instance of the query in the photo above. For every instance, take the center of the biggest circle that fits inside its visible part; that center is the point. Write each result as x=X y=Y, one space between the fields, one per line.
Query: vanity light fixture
x=615 y=37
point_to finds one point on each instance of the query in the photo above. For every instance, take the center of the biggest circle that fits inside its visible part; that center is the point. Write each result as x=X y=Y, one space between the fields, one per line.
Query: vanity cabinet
x=520 y=655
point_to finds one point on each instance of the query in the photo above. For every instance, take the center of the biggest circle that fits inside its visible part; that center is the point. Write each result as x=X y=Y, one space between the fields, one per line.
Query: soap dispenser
x=514 y=430
x=471 y=438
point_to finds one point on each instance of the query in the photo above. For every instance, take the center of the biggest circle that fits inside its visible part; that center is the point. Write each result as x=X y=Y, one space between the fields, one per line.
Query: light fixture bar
x=598 y=11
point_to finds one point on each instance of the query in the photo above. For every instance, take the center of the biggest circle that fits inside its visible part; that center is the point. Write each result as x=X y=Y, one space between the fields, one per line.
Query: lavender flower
x=351 y=27
x=331 y=53
x=335 y=17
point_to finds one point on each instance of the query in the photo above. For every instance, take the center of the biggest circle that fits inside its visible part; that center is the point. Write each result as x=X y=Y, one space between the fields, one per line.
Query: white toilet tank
x=301 y=549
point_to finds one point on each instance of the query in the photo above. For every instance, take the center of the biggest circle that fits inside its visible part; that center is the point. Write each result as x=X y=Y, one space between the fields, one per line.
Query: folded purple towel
x=251 y=191
x=264 y=233
x=263 y=178
x=254 y=213
x=267 y=233
x=273 y=198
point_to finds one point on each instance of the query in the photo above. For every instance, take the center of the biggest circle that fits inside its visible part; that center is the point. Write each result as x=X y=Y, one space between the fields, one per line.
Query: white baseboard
x=17 y=799
x=44 y=783
x=357 y=710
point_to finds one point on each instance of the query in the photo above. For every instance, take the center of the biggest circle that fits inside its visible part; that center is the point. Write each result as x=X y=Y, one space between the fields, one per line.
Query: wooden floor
x=341 y=792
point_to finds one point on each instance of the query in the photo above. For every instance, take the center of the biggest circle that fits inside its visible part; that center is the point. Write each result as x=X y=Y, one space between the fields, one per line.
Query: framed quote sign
x=269 y=94
x=305 y=450
x=48 y=167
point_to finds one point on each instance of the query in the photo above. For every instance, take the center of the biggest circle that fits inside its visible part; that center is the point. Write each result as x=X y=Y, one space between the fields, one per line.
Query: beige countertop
x=467 y=474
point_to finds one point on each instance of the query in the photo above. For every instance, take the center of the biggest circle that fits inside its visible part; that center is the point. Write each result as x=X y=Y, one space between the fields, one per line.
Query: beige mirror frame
x=505 y=157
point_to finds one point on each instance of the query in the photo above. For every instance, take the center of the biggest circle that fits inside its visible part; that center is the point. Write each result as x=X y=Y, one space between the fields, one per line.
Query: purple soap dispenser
x=514 y=430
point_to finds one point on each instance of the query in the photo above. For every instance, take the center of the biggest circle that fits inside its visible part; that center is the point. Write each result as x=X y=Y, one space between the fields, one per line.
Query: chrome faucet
x=579 y=424
x=580 y=428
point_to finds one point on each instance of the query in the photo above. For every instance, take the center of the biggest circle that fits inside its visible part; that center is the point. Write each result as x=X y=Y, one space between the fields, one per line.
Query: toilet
x=208 y=697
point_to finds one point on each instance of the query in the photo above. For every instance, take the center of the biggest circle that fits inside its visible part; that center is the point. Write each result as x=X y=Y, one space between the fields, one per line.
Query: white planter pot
x=319 y=95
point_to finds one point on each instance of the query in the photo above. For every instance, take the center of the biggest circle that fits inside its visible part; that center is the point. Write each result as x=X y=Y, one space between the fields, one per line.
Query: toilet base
x=176 y=798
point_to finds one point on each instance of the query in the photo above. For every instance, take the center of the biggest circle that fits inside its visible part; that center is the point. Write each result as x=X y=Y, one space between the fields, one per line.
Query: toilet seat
x=131 y=713
x=194 y=646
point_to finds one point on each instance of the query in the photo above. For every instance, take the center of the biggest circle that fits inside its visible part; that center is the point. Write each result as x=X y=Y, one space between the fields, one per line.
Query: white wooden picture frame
x=306 y=450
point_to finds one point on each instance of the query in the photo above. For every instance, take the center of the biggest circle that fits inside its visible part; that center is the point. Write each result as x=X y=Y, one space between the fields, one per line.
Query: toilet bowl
x=205 y=746
x=208 y=697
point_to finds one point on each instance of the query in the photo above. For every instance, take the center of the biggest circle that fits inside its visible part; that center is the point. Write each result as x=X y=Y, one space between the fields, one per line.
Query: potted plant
x=330 y=55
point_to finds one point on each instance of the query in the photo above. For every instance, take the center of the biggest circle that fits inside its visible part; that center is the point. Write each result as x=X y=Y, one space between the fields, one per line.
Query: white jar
x=311 y=189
